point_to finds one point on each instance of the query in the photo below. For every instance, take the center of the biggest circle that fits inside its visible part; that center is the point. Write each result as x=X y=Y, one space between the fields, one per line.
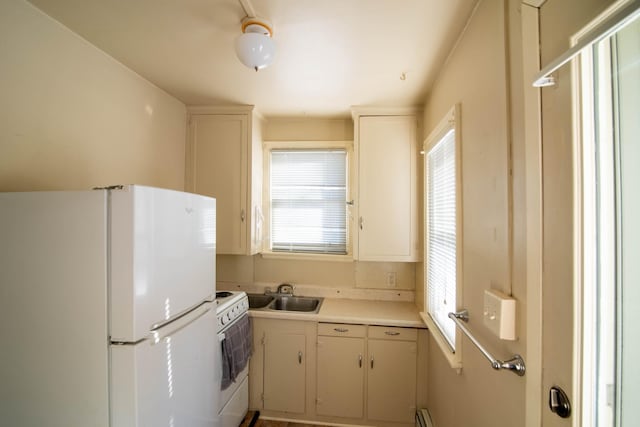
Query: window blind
x=308 y=201
x=441 y=234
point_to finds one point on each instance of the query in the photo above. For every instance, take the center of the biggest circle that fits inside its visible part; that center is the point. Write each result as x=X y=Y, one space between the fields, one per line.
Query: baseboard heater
x=423 y=419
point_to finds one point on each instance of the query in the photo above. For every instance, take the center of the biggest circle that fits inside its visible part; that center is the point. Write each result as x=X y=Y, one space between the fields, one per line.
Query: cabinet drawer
x=393 y=333
x=341 y=330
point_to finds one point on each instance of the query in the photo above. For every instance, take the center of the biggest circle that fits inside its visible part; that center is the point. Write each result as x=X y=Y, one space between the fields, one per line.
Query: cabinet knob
x=360 y=361
x=300 y=357
x=242 y=215
x=361 y=223
x=371 y=362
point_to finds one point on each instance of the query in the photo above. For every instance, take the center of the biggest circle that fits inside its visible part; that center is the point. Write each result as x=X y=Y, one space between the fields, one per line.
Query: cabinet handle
x=371 y=362
x=392 y=333
x=360 y=361
x=341 y=329
x=361 y=223
x=300 y=357
x=242 y=215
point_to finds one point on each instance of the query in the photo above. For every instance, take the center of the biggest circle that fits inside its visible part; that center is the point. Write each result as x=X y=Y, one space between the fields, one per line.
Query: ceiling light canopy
x=255 y=47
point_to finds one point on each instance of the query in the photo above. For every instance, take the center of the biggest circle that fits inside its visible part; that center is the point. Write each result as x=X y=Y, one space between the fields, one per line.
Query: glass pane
x=441 y=234
x=626 y=78
x=308 y=201
x=612 y=347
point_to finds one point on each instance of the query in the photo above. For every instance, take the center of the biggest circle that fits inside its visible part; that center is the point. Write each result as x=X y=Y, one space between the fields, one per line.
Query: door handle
x=360 y=361
x=300 y=357
x=559 y=402
x=242 y=215
x=371 y=362
x=361 y=223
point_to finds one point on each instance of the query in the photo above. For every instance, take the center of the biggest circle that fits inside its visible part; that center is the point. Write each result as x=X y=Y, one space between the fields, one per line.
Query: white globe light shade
x=255 y=50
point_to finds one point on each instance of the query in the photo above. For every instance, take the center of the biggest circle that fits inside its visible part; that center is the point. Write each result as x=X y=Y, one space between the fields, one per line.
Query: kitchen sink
x=286 y=303
x=259 y=300
x=309 y=305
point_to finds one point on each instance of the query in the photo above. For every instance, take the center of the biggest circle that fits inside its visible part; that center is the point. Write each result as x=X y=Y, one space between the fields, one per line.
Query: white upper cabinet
x=224 y=160
x=386 y=210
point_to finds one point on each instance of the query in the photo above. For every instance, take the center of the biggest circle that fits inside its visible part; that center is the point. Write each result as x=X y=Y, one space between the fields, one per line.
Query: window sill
x=307 y=257
x=454 y=358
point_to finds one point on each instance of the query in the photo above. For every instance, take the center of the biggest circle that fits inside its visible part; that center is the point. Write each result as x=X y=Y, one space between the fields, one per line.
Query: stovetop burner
x=223 y=294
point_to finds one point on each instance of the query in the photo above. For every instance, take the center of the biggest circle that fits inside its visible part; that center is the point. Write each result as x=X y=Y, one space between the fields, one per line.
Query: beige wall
x=482 y=75
x=241 y=269
x=72 y=117
x=491 y=94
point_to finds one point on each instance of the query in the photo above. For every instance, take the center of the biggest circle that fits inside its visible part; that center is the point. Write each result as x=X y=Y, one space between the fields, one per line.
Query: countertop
x=344 y=310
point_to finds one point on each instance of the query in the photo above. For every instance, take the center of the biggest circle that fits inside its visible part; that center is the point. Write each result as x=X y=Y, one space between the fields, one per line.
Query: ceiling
x=331 y=54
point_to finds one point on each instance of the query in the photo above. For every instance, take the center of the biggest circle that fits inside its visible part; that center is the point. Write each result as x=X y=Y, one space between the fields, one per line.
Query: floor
x=270 y=423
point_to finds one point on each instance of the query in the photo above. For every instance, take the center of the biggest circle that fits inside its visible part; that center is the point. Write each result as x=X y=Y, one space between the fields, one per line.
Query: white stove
x=230 y=306
x=234 y=400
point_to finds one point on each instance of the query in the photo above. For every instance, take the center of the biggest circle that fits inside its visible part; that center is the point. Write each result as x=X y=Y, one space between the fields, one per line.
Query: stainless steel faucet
x=285 y=289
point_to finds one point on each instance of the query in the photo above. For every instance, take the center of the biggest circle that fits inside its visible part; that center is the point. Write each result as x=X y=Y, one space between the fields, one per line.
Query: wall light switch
x=500 y=314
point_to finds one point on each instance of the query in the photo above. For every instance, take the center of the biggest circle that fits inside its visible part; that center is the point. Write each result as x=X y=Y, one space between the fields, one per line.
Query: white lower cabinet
x=334 y=373
x=285 y=378
x=391 y=387
x=279 y=368
x=341 y=368
x=377 y=373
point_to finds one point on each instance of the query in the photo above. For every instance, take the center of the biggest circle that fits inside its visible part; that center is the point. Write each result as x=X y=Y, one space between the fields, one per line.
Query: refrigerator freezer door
x=169 y=380
x=162 y=257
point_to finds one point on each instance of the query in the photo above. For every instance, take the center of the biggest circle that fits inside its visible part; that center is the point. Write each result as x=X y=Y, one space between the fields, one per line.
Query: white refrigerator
x=107 y=314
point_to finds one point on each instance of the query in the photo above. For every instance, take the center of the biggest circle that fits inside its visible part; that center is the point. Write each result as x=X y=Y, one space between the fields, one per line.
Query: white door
x=163 y=246
x=171 y=379
x=610 y=244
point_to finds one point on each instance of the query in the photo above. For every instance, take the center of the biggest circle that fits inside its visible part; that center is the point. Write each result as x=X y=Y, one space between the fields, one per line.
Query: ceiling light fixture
x=255 y=47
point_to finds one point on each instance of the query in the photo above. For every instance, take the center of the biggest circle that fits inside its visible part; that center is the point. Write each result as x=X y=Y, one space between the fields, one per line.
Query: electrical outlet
x=391 y=279
x=500 y=314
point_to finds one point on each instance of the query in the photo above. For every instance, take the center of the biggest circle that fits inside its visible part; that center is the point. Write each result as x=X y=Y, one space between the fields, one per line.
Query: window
x=307 y=197
x=442 y=236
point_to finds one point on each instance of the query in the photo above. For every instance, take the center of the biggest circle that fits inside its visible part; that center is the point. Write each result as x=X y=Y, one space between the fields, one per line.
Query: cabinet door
x=387 y=189
x=340 y=382
x=218 y=168
x=391 y=390
x=284 y=374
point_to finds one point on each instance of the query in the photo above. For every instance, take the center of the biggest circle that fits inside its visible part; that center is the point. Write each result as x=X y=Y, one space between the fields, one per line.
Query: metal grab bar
x=515 y=364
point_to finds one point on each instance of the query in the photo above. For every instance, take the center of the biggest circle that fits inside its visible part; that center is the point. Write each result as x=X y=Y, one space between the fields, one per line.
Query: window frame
x=268 y=146
x=451 y=121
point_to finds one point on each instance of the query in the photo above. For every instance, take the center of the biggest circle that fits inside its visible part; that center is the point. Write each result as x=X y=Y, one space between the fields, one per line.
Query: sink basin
x=276 y=302
x=286 y=303
x=259 y=300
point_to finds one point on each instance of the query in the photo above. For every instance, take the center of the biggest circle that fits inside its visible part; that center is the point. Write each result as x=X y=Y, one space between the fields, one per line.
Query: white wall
x=72 y=117
x=480 y=76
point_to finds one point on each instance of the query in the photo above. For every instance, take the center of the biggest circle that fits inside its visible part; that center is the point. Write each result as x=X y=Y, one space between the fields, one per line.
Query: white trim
x=267 y=146
x=453 y=357
x=534 y=224
x=451 y=121
x=537 y=4
x=309 y=257
x=220 y=109
x=358 y=111
x=607 y=23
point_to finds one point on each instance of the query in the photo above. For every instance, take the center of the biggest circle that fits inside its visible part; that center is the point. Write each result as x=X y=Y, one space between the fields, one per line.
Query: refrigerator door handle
x=179 y=323
x=160 y=325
